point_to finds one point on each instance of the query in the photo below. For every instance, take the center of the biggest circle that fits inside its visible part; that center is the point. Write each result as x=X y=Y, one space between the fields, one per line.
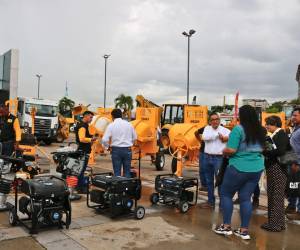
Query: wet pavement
x=163 y=226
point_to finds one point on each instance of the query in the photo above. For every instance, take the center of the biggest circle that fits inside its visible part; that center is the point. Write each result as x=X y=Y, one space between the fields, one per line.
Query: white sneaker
x=223 y=230
x=244 y=235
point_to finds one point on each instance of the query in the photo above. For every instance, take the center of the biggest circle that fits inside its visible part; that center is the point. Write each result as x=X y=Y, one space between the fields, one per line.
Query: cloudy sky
x=247 y=46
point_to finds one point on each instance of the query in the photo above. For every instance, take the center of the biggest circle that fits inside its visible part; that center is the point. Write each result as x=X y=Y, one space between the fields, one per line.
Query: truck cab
x=45 y=119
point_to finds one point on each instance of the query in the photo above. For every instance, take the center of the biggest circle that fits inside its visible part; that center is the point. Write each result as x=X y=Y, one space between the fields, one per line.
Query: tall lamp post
x=105 y=60
x=188 y=35
x=39 y=81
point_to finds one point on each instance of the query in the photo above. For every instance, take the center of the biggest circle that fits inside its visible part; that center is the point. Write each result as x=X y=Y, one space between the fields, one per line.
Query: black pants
x=276 y=183
x=7 y=148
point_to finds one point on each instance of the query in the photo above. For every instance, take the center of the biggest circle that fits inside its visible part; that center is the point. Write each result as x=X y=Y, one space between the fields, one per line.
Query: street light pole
x=188 y=35
x=39 y=81
x=105 y=63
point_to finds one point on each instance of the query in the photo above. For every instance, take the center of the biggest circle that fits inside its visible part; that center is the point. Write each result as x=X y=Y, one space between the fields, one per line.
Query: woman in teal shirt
x=246 y=163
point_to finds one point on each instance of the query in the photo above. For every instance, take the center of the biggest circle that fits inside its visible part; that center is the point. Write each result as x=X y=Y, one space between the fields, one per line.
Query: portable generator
x=117 y=194
x=70 y=164
x=181 y=192
x=45 y=203
x=10 y=167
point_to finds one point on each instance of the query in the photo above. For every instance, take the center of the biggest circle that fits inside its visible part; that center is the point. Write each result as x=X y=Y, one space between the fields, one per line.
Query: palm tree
x=124 y=102
x=65 y=106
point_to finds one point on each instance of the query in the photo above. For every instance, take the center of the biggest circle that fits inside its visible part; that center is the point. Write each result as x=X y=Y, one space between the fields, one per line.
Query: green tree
x=124 y=102
x=65 y=106
x=295 y=102
x=276 y=107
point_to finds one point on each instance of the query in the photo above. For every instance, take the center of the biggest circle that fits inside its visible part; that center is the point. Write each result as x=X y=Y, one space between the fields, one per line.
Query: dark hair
x=116 y=113
x=87 y=113
x=213 y=113
x=274 y=121
x=296 y=109
x=252 y=127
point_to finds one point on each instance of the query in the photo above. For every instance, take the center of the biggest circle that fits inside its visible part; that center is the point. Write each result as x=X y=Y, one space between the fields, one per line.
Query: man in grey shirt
x=293 y=208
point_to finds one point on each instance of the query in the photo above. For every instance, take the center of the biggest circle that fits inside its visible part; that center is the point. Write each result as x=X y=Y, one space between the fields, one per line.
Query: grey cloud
x=250 y=46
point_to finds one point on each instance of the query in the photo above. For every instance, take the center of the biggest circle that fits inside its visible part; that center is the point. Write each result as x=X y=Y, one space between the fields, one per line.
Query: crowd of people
x=236 y=159
x=231 y=160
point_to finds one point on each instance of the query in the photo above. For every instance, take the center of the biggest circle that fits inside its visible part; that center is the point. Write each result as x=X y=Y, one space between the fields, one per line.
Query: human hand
x=17 y=145
x=295 y=168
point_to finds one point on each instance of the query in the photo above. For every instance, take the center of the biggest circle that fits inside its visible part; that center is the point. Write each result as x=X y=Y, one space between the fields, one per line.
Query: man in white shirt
x=215 y=138
x=120 y=136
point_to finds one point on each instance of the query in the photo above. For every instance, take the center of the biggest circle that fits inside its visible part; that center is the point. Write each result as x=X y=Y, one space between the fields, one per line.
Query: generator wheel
x=154 y=198
x=139 y=212
x=160 y=161
x=174 y=165
x=183 y=206
x=12 y=217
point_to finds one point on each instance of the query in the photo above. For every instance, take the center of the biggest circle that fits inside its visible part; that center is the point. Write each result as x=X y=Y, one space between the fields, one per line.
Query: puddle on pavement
x=18 y=243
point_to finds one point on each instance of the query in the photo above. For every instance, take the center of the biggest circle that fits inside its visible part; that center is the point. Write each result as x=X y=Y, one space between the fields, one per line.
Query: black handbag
x=288 y=158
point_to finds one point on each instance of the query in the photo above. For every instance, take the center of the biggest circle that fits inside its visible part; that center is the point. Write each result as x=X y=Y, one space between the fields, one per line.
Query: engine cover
x=44 y=187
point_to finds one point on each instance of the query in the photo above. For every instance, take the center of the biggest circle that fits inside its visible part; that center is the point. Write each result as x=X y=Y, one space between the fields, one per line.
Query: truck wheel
x=183 y=206
x=139 y=212
x=174 y=165
x=154 y=198
x=160 y=161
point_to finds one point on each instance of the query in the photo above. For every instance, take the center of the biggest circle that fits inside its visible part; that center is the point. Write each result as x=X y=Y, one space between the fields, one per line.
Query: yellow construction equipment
x=142 y=102
x=171 y=114
x=281 y=115
x=184 y=147
x=97 y=128
x=146 y=126
x=181 y=113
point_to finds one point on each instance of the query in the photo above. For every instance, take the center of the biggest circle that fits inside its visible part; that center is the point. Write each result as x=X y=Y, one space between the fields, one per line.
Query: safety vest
x=85 y=147
x=7 y=132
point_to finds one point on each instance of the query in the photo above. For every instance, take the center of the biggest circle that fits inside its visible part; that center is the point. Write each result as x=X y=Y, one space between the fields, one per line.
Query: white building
x=257 y=103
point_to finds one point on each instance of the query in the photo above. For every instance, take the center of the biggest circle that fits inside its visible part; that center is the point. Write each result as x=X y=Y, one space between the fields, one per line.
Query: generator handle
x=105 y=173
x=162 y=175
x=139 y=163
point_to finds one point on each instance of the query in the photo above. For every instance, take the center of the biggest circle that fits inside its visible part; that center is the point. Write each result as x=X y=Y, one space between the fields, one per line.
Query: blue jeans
x=7 y=148
x=256 y=193
x=294 y=202
x=244 y=183
x=121 y=157
x=211 y=165
x=82 y=180
x=201 y=170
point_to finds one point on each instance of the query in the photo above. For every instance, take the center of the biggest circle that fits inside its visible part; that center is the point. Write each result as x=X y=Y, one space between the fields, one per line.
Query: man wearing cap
x=84 y=140
x=10 y=131
x=120 y=136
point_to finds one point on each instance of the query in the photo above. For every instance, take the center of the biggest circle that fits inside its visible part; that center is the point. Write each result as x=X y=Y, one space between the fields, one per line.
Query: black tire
x=183 y=206
x=160 y=161
x=154 y=198
x=174 y=165
x=139 y=212
x=12 y=217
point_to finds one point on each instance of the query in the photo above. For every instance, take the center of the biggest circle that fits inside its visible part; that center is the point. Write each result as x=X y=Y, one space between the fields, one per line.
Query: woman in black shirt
x=276 y=145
